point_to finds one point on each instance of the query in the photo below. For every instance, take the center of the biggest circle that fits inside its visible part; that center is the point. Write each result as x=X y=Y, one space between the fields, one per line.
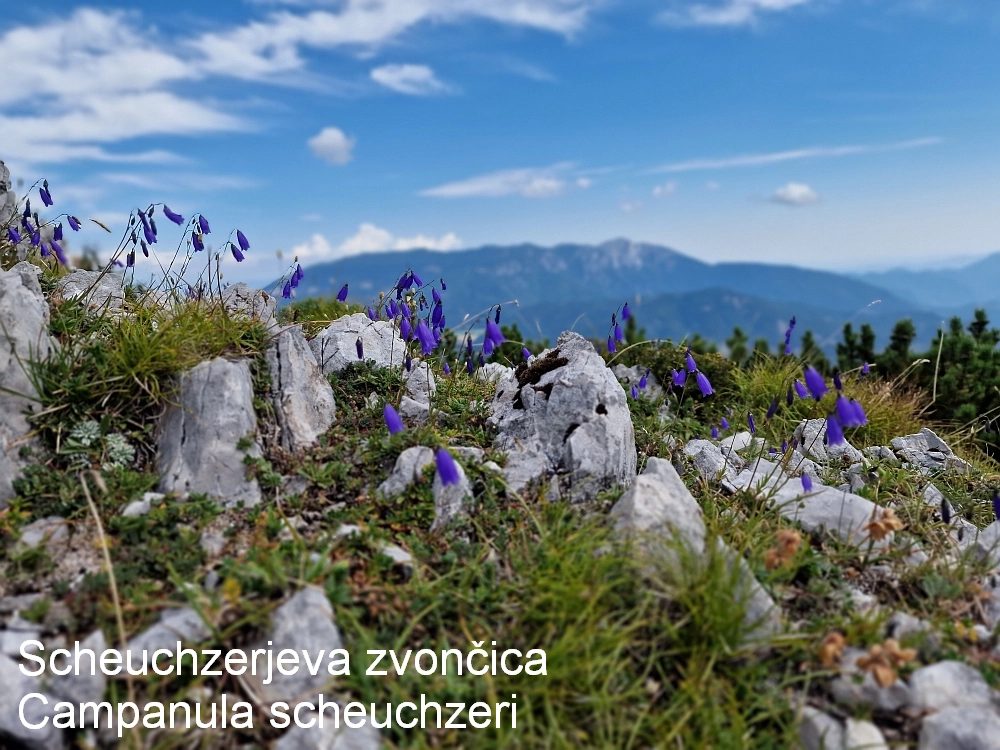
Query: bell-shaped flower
x=643 y=382
x=751 y=423
x=130 y=259
x=469 y=367
x=678 y=378
x=408 y=362
x=425 y=337
x=46 y=252
x=444 y=287
x=834 y=431
x=493 y=333
x=57 y=249
x=13 y=235
x=836 y=381
x=392 y=419
x=496 y=317
x=626 y=313
x=703 y=385
x=145 y=248
x=36 y=237
x=46 y=196
x=57 y=233
x=724 y=423
x=286 y=293
x=405 y=309
x=860 y=418
x=370 y=313
x=416 y=279
x=525 y=353
x=237 y=253
x=865 y=368
x=715 y=433
x=790 y=396
x=359 y=345
x=203 y=223
x=242 y=239
x=342 y=294
x=447 y=469
x=487 y=347
x=611 y=346
x=294 y=281
x=619 y=336
x=435 y=296
x=393 y=308
x=689 y=360
x=635 y=392
x=74 y=223
x=405 y=329
x=199 y=243
x=801 y=390
x=773 y=408
x=447 y=370
x=945 y=511
x=815 y=383
x=807 y=483
x=174 y=217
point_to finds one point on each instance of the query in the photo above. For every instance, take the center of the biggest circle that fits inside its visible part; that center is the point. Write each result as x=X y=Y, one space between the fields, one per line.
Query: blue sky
x=839 y=134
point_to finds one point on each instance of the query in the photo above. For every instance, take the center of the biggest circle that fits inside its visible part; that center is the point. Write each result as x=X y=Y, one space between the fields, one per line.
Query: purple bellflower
x=772 y=409
x=57 y=234
x=611 y=345
x=174 y=217
x=815 y=383
x=945 y=511
x=447 y=469
x=619 y=336
x=724 y=423
x=790 y=396
x=242 y=240
x=74 y=223
x=678 y=377
x=525 y=353
x=751 y=423
x=408 y=362
x=46 y=196
x=237 y=253
x=342 y=294
x=834 y=432
x=199 y=244
x=865 y=368
x=286 y=293
x=807 y=483
x=836 y=381
x=703 y=385
x=996 y=505
x=404 y=329
x=145 y=248
x=416 y=279
x=13 y=236
x=360 y=347
x=425 y=337
x=447 y=370
x=493 y=333
x=635 y=392
x=715 y=433
x=691 y=365
x=801 y=389
x=392 y=419
x=203 y=223
x=626 y=313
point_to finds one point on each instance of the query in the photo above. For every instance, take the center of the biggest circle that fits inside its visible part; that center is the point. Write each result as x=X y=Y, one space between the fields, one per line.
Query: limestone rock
x=926 y=450
x=525 y=466
x=811 y=434
x=863 y=735
x=24 y=320
x=568 y=404
x=329 y=737
x=13 y=687
x=82 y=687
x=240 y=300
x=178 y=624
x=711 y=462
x=420 y=383
x=303 y=623
x=335 y=346
x=961 y=729
x=408 y=468
x=98 y=290
x=949 y=684
x=629 y=376
x=303 y=398
x=50 y=532
x=494 y=372
x=413 y=411
x=200 y=432
x=820 y=731
x=849 y=692
x=450 y=500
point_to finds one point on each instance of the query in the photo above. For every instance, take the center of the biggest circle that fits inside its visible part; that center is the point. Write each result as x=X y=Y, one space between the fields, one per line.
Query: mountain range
x=546 y=290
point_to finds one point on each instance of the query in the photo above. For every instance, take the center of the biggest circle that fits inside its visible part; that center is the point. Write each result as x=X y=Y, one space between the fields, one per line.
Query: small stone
x=14 y=685
x=50 y=532
x=408 y=468
x=469 y=454
x=975 y=728
x=737 y=442
x=413 y=411
x=82 y=687
x=335 y=347
x=212 y=544
x=420 y=383
x=863 y=735
x=346 y=530
x=820 y=731
x=811 y=433
x=494 y=372
x=137 y=508
x=902 y=626
x=399 y=556
x=329 y=737
x=848 y=692
x=180 y=624
x=949 y=684
x=241 y=301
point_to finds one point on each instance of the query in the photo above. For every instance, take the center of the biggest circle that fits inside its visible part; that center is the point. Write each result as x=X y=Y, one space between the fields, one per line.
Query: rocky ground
x=764 y=589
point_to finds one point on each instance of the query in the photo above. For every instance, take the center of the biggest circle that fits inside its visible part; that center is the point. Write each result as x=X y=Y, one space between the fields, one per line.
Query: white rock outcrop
x=303 y=398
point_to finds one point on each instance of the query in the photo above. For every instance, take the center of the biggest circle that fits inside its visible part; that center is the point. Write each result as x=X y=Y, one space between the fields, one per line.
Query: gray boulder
x=658 y=512
x=407 y=469
x=413 y=411
x=199 y=434
x=176 y=624
x=335 y=346
x=949 y=684
x=303 y=398
x=927 y=451
x=98 y=290
x=240 y=300
x=855 y=688
x=525 y=466
x=303 y=623
x=329 y=737
x=961 y=729
x=24 y=321
x=811 y=434
x=13 y=687
x=629 y=376
x=711 y=463
x=494 y=372
x=82 y=687
x=569 y=405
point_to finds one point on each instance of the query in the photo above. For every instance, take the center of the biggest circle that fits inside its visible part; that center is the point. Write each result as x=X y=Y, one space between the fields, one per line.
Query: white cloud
x=95 y=78
x=536 y=182
x=777 y=157
x=795 y=194
x=629 y=207
x=665 y=190
x=712 y=185
x=371 y=239
x=415 y=80
x=726 y=13
x=332 y=146
x=272 y=47
x=584 y=182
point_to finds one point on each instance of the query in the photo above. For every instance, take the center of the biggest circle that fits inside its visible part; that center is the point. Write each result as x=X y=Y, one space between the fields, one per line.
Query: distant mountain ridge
x=670 y=292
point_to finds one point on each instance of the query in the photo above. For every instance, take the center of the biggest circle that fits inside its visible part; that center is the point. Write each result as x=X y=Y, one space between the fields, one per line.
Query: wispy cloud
x=415 y=80
x=725 y=13
x=180 y=181
x=371 y=239
x=332 y=145
x=665 y=190
x=795 y=194
x=777 y=157
x=536 y=182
